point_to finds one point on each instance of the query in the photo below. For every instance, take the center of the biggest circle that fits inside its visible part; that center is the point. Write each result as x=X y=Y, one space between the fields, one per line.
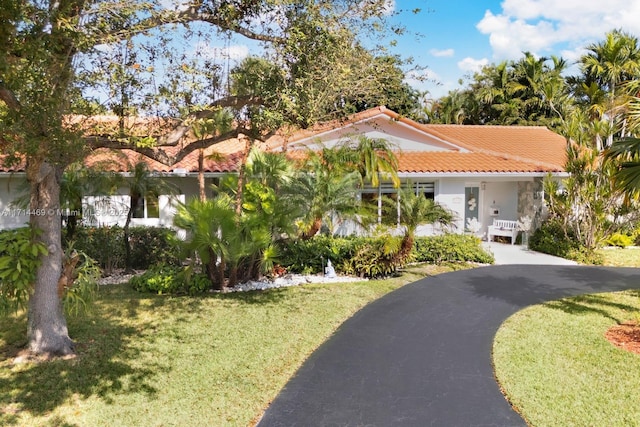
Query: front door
x=471 y=206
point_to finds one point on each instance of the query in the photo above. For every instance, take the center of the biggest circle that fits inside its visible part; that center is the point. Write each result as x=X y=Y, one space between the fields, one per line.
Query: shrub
x=103 y=244
x=19 y=259
x=153 y=245
x=167 y=279
x=374 y=257
x=551 y=239
x=450 y=248
x=310 y=256
x=620 y=240
x=149 y=246
x=377 y=256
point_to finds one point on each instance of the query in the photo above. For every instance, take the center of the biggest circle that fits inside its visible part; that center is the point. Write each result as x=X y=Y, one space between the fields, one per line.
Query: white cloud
x=233 y=52
x=543 y=26
x=178 y=5
x=472 y=65
x=442 y=52
x=389 y=7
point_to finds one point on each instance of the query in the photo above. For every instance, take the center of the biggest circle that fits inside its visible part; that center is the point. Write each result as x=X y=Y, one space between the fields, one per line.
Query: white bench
x=503 y=227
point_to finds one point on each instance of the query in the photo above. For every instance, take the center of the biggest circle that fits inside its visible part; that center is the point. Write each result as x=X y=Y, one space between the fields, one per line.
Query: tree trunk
x=47 y=328
x=241 y=173
x=127 y=225
x=313 y=229
x=201 y=186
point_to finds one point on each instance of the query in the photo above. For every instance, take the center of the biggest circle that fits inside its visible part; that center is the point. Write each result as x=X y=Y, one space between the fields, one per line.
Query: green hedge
x=450 y=248
x=149 y=246
x=374 y=257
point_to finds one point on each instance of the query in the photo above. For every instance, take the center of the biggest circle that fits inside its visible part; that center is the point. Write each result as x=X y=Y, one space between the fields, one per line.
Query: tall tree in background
x=57 y=56
x=608 y=66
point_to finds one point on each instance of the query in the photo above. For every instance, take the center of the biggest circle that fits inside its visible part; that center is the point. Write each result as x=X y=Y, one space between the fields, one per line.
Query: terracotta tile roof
x=455 y=162
x=119 y=161
x=535 y=144
x=490 y=148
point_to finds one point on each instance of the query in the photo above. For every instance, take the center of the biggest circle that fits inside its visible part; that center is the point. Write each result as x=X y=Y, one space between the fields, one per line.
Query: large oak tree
x=60 y=55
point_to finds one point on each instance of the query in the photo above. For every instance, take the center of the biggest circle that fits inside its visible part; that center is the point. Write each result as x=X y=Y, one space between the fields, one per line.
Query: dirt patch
x=625 y=336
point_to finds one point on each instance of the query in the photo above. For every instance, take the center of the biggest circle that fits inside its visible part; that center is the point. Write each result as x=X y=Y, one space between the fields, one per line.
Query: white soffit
x=401 y=136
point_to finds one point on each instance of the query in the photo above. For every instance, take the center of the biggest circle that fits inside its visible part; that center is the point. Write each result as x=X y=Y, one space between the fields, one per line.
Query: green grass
x=557 y=368
x=618 y=257
x=148 y=360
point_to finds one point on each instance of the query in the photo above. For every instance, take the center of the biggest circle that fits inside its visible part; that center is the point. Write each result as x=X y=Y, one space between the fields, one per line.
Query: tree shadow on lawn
x=585 y=304
x=110 y=346
x=105 y=350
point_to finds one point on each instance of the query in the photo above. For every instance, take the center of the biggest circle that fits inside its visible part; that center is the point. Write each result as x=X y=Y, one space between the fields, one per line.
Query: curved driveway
x=421 y=355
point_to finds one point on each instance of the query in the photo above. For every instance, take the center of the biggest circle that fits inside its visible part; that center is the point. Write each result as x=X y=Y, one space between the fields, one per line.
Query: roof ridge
x=487 y=126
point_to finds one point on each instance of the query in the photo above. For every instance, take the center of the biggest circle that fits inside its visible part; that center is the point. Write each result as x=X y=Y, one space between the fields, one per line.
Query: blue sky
x=462 y=35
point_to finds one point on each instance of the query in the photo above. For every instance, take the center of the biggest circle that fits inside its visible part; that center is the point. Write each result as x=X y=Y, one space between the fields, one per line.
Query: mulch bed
x=625 y=336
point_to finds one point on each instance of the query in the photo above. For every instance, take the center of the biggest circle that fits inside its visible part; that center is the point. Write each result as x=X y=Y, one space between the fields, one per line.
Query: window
x=428 y=189
x=383 y=206
x=386 y=205
x=145 y=207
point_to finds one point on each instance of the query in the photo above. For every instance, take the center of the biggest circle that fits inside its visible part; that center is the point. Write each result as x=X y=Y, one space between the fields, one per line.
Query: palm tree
x=219 y=122
x=416 y=210
x=626 y=151
x=611 y=64
x=143 y=187
x=327 y=189
x=208 y=224
x=375 y=159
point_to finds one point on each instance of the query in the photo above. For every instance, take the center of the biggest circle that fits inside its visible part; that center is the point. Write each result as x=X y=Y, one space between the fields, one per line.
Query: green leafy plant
x=165 y=279
x=620 y=240
x=103 y=244
x=85 y=284
x=449 y=248
x=153 y=245
x=376 y=258
x=551 y=238
x=18 y=264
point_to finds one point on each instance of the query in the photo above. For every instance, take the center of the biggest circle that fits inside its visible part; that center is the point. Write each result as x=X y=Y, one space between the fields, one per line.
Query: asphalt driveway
x=421 y=355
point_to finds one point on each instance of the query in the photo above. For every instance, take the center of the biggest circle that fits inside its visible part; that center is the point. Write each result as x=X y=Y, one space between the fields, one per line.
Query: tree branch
x=192 y=14
x=8 y=97
x=160 y=155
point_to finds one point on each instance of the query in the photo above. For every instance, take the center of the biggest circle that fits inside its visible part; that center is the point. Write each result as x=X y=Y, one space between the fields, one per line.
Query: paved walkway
x=515 y=254
x=421 y=355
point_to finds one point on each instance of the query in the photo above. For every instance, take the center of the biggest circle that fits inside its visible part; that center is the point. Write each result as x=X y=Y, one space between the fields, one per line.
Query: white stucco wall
x=113 y=210
x=12 y=187
x=504 y=196
x=450 y=194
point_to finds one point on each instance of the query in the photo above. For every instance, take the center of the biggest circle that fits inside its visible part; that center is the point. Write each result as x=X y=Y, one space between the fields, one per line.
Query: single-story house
x=481 y=173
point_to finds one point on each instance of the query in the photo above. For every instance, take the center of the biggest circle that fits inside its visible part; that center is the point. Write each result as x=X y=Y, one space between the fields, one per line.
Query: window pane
x=137 y=207
x=153 y=207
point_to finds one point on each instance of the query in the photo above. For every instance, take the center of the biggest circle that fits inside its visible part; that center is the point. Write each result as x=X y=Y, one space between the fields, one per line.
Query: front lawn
x=558 y=369
x=148 y=360
x=618 y=257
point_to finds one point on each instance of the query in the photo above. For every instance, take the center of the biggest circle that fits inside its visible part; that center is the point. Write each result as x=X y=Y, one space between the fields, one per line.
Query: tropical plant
x=609 y=65
x=144 y=190
x=207 y=225
x=414 y=211
x=220 y=121
x=327 y=190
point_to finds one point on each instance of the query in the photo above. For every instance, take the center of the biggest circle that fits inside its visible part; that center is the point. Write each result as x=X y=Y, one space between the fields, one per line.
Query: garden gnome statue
x=329 y=271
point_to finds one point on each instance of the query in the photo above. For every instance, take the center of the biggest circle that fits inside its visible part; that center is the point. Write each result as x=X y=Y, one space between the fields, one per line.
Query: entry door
x=471 y=204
